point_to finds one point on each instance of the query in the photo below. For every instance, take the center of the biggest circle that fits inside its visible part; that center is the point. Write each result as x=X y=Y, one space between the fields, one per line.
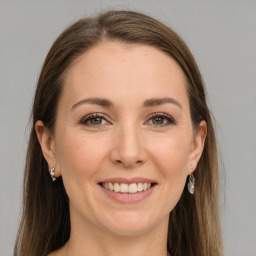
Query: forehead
x=117 y=70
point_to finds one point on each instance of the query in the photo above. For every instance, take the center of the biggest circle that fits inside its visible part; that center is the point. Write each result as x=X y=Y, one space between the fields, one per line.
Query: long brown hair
x=194 y=225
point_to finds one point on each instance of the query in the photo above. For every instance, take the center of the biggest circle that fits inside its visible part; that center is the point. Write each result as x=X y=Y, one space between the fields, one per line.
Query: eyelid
x=86 y=118
x=168 y=117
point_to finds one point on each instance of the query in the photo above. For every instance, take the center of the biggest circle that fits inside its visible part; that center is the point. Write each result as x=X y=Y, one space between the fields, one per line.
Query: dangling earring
x=52 y=173
x=191 y=184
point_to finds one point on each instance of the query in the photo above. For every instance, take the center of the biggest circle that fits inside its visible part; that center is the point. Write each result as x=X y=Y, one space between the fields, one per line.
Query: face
x=123 y=140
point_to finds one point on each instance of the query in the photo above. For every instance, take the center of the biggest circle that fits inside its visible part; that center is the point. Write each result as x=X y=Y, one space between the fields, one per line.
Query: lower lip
x=128 y=198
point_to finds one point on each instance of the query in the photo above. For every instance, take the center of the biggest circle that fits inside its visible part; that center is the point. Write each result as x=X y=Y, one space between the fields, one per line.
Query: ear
x=197 y=146
x=47 y=144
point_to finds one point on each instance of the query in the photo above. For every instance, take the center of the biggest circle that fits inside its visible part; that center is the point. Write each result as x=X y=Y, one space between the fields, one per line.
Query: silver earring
x=52 y=173
x=191 y=184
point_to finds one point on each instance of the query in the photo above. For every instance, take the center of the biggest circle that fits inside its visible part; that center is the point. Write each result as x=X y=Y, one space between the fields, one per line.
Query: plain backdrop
x=222 y=36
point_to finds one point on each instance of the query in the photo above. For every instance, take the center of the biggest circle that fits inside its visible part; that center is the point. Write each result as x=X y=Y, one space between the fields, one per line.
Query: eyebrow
x=160 y=101
x=94 y=101
x=107 y=103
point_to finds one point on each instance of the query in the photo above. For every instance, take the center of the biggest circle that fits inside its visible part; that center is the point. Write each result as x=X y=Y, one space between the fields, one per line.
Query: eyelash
x=90 y=117
x=165 y=117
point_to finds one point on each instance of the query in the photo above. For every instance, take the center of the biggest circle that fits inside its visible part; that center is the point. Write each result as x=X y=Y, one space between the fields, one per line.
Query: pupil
x=158 y=120
x=96 y=120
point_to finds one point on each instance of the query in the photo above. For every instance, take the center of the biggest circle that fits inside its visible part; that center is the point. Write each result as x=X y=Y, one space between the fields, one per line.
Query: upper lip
x=128 y=180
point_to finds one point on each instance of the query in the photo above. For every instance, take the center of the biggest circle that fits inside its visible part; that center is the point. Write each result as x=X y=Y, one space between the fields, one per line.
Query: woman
x=122 y=156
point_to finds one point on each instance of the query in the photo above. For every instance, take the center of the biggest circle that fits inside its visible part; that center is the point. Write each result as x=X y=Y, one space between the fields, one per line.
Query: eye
x=95 y=119
x=160 y=119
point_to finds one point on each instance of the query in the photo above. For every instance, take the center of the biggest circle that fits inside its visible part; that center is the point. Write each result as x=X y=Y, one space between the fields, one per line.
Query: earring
x=52 y=173
x=191 y=183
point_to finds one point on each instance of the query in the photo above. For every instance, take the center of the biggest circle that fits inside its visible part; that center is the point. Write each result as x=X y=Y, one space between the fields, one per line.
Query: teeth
x=124 y=188
x=133 y=188
x=116 y=187
x=127 y=188
x=140 y=187
x=110 y=186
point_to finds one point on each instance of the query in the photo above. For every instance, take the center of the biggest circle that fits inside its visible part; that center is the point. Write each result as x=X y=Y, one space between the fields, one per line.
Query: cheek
x=80 y=159
x=79 y=156
x=172 y=155
x=170 y=158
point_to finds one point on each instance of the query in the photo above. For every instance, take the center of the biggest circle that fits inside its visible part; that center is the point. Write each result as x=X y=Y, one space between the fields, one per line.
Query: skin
x=126 y=142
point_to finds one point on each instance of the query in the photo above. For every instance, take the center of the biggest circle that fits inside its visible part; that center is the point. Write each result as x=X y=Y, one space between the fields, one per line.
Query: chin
x=131 y=223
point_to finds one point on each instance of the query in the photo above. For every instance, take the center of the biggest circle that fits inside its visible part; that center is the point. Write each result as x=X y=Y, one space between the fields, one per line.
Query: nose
x=128 y=148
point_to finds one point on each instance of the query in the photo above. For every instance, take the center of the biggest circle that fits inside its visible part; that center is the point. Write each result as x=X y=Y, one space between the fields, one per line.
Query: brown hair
x=194 y=225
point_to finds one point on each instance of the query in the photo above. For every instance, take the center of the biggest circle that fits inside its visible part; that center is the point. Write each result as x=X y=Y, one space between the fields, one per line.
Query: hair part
x=194 y=224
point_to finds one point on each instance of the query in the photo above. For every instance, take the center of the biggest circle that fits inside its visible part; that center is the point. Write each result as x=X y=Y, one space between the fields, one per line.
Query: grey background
x=222 y=37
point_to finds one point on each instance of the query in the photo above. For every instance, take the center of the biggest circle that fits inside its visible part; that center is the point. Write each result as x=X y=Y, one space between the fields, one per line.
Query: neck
x=85 y=240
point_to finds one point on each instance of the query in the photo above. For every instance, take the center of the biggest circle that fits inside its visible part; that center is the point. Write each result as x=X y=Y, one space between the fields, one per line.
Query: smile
x=126 y=188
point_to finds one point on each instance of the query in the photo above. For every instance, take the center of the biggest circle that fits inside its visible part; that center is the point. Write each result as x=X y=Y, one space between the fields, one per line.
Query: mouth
x=127 y=188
